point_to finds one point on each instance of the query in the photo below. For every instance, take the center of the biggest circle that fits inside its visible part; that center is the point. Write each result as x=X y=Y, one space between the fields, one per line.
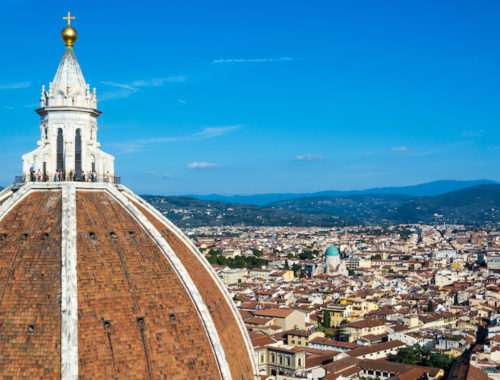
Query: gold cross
x=69 y=18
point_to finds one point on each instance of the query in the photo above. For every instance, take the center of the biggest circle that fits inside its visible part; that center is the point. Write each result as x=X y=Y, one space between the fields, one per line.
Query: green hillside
x=190 y=212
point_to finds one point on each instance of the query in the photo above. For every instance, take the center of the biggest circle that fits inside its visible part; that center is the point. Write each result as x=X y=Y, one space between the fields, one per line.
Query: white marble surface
x=68 y=105
x=69 y=286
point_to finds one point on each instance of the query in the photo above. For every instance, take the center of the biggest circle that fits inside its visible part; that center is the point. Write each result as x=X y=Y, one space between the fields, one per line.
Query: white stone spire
x=68 y=125
x=68 y=87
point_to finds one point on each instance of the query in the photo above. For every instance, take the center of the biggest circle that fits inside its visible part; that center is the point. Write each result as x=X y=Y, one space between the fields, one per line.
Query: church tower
x=68 y=123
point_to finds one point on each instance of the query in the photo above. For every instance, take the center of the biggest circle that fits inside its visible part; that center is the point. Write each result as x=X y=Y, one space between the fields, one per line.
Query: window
x=299 y=362
x=78 y=153
x=262 y=358
x=60 y=151
x=272 y=358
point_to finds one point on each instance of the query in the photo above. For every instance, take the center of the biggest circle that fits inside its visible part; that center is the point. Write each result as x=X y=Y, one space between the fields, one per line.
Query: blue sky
x=267 y=96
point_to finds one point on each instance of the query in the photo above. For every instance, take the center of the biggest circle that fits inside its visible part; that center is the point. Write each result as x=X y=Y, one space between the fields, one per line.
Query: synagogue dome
x=332 y=251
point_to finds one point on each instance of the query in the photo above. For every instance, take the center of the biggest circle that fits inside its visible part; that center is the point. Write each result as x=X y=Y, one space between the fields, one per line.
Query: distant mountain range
x=473 y=205
x=424 y=189
x=191 y=212
x=476 y=205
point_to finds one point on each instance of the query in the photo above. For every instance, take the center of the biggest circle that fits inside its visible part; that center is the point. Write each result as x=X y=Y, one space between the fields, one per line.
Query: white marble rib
x=69 y=291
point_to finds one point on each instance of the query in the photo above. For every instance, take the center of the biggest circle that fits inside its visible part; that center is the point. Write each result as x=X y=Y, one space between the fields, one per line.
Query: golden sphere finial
x=69 y=34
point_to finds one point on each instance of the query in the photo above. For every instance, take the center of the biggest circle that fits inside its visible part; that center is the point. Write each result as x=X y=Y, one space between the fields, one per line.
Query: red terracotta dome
x=95 y=283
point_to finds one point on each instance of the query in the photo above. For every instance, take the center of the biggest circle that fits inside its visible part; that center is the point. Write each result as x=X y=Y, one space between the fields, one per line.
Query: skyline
x=338 y=96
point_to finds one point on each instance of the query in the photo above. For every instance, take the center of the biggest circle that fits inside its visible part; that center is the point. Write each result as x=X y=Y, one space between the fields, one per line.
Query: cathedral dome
x=332 y=251
x=96 y=283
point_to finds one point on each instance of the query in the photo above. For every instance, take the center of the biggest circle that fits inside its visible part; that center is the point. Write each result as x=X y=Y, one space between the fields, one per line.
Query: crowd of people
x=89 y=176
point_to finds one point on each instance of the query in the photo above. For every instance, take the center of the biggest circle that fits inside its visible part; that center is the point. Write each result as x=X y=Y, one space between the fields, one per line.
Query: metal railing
x=98 y=179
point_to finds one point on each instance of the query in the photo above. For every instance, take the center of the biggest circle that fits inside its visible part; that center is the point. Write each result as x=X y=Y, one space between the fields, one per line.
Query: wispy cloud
x=399 y=149
x=157 y=82
x=32 y=105
x=133 y=146
x=182 y=101
x=15 y=86
x=166 y=176
x=122 y=93
x=252 y=60
x=127 y=89
x=210 y=132
x=119 y=85
x=472 y=134
x=309 y=157
x=202 y=165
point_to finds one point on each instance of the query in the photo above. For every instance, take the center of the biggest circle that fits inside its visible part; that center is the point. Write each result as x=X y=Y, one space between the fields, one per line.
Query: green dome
x=332 y=251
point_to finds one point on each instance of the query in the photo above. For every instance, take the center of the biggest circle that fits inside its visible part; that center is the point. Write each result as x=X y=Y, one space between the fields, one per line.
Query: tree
x=376 y=257
x=418 y=355
x=290 y=256
x=287 y=267
x=350 y=271
x=257 y=252
x=327 y=322
x=430 y=306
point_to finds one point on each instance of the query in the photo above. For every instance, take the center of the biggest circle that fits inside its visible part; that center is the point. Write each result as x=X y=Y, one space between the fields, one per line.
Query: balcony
x=19 y=180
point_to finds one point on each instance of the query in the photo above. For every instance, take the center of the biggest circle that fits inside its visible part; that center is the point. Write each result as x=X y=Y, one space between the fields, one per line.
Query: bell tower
x=68 y=122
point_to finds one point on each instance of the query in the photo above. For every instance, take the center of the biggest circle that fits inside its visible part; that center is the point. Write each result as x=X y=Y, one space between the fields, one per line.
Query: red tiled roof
x=275 y=312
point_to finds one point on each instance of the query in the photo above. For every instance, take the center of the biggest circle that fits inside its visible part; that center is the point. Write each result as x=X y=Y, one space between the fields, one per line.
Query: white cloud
x=202 y=165
x=127 y=89
x=15 y=86
x=166 y=176
x=134 y=146
x=210 y=132
x=472 y=134
x=182 y=101
x=252 y=60
x=119 y=85
x=123 y=93
x=399 y=149
x=156 y=82
x=309 y=157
